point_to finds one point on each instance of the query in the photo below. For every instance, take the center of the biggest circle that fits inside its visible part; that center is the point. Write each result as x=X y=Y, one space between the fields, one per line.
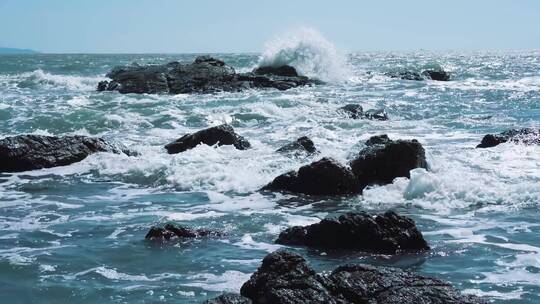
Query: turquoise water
x=76 y=233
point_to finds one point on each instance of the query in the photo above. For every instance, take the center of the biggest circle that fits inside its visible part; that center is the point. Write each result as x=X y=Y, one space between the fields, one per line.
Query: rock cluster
x=527 y=136
x=205 y=75
x=171 y=231
x=355 y=111
x=433 y=74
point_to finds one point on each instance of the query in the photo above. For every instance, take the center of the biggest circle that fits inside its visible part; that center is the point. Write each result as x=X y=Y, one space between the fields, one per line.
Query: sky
x=210 y=26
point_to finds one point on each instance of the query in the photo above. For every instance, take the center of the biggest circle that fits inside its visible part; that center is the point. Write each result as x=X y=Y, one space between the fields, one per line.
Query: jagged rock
x=285 y=278
x=220 y=135
x=302 y=145
x=355 y=111
x=323 y=177
x=284 y=70
x=383 y=160
x=31 y=152
x=437 y=74
x=527 y=136
x=387 y=233
x=228 y=298
x=434 y=74
x=171 y=231
x=204 y=75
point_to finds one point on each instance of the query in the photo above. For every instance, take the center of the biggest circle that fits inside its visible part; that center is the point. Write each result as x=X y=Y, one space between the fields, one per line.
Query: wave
x=40 y=78
x=309 y=52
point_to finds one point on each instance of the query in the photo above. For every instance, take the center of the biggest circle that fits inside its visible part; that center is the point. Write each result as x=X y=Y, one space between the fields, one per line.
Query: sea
x=76 y=234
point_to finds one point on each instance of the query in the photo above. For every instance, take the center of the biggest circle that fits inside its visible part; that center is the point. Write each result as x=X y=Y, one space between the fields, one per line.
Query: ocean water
x=76 y=233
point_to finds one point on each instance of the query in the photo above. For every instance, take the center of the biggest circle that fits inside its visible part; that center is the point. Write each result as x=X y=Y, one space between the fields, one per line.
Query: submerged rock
x=384 y=159
x=285 y=278
x=527 y=136
x=355 y=111
x=171 y=231
x=437 y=74
x=302 y=145
x=204 y=75
x=387 y=233
x=229 y=298
x=220 y=135
x=31 y=152
x=323 y=177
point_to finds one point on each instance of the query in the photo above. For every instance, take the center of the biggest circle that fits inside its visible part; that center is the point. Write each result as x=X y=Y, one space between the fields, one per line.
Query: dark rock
x=229 y=298
x=30 y=152
x=170 y=231
x=204 y=75
x=384 y=159
x=285 y=278
x=527 y=136
x=323 y=177
x=379 y=114
x=387 y=233
x=302 y=145
x=220 y=135
x=354 y=111
x=433 y=74
x=437 y=74
x=284 y=70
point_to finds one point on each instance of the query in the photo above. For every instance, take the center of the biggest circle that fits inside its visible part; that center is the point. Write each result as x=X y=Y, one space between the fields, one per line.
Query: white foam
x=230 y=280
x=309 y=52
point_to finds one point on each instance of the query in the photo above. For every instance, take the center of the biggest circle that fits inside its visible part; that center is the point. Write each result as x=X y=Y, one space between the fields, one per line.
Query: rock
x=31 y=152
x=229 y=298
x=170 y=231
x=220 y=135
x=302 y=145
x=383 y=160
x=377 y=114
x=284 y=70
x=204 y=75
x=355 y=111
x=286 y=278
x=434 y=74
x=437 y=74
x=387 y=233
x=527 y=136
x=323 y=177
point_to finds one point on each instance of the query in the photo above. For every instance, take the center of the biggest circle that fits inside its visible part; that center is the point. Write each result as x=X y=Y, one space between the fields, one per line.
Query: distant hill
x=16 y=51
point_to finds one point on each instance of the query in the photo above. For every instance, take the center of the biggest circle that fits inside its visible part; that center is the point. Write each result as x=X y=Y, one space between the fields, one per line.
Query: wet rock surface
x=355 y=111
x=220 y=135
x=323 y=177
x=285 y=278
x=384 y=159
x=205 y=75
x=171 y=231
x=31 y=152
x=387 y=233
x=302 y=145
x=437 y=74
x=229 y=298
x=527 y=136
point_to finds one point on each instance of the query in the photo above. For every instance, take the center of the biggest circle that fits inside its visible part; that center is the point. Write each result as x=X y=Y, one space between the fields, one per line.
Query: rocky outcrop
x=31 y=152
x=171 y=231
x=205 y=75
x=434 y=74
x=286 y=278
x=527 y=136
x=387 y=233
x=355 y=111
x=302 y=145
x=323 y=177
x=220 y=135
x=229 y=298
x=384 y=159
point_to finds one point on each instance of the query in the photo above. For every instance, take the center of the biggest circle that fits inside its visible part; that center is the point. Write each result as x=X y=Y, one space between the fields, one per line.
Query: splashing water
x=309 y=52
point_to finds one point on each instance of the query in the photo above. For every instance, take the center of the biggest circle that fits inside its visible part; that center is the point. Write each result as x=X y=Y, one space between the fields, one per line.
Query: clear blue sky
x=244 y=25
